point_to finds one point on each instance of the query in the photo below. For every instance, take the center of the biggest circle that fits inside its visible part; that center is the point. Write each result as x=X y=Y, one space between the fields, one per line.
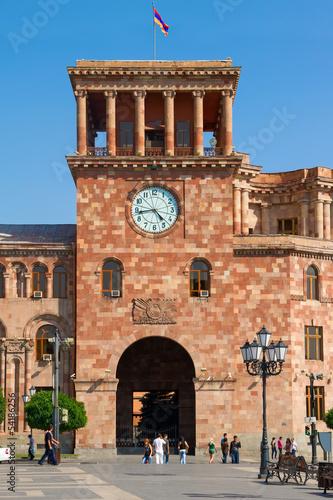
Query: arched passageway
x=157 y=364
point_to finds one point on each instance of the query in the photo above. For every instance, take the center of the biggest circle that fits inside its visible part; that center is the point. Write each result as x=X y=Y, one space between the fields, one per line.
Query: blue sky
x=283 y=108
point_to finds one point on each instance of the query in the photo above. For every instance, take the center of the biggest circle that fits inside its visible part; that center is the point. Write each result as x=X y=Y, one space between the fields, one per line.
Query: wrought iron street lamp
x=26 y=398
x=273 y=357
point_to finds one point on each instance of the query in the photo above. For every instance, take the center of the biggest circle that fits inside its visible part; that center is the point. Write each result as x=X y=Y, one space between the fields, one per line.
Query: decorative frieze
x=154 y=311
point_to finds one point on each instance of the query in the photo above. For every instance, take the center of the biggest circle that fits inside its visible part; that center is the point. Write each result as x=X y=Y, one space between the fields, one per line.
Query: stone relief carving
x=154 y=311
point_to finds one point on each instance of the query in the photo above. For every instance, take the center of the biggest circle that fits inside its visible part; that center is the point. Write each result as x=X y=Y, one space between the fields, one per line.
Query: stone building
x=181 y=253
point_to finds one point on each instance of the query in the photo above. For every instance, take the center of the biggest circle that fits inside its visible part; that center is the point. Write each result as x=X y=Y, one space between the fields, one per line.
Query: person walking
x=211 y=448
x=288 y=446
x=31 y=450
x=225 y=448
x=148 y=451
x=280 y=447
x=49 y=451
x=166 y=449
x=294 y=447
x=234 y=450
x=183 y=449
x=273 y=448
x=158 y=445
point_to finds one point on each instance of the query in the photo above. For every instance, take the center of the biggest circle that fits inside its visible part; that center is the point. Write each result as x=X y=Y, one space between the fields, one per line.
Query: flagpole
x=154 y=31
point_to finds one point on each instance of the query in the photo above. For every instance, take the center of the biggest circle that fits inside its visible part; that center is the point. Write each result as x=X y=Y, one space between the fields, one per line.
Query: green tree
x=3 y=403
x=39 y=410
x=159 y=410
x=328 y=418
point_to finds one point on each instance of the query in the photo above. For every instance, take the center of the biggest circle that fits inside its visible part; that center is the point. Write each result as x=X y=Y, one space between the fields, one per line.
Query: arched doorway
x=156 y=365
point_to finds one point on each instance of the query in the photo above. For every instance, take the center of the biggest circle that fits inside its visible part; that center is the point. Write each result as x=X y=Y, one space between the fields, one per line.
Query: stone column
x=110 y=122
x=169 y=120
x=237 y=211
x=265 y=218
x=304 y=218
x=319 y=218
x=2 y=366
x=6 y=284
x=227 y=122
x=327 y=219
x=245 y=211
x=49 y=287
x=27 y=375
x=28 y=284
x=198 y=96
x=139 y=96
x=81 y=100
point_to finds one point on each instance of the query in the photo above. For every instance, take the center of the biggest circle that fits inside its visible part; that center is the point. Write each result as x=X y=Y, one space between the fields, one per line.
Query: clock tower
x=154 y=245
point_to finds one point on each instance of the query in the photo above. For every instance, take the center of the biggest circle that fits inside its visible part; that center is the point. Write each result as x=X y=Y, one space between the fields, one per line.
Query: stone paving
x=127 y=479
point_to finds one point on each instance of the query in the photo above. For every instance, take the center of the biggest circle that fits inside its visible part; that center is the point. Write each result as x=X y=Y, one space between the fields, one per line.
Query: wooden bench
x=292 y=467
x=326 y=475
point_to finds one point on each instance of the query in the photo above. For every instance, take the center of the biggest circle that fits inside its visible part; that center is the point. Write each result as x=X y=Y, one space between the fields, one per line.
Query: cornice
x=13 y=249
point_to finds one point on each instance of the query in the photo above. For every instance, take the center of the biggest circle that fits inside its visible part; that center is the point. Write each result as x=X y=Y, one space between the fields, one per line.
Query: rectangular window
x=288 y=226
x=126 y=135
x=319 y=402
x=314 y=343
x=183 y=134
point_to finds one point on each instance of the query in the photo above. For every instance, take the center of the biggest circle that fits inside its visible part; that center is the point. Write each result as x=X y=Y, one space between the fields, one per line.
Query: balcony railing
x=157 y=151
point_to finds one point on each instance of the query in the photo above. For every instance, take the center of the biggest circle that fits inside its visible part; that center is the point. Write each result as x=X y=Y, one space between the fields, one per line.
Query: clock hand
x=161 y=218
x=144 y=211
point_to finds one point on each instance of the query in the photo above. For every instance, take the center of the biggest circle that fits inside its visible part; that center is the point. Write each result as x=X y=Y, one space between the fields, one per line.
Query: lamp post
x=26 y=398
x=272 y=365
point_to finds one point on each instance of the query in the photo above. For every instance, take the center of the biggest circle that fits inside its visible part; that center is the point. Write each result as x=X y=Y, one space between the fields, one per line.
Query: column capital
x=303 y=202
x=111 y=93
x=198 y=93
x=169 y=93
x=139 y=93
x=265 y=204
x=227 y=92
x=327 y=202
x=80 y=93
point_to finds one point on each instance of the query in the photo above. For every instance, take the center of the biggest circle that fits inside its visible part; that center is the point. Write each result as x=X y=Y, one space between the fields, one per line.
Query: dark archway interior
x=157 y=364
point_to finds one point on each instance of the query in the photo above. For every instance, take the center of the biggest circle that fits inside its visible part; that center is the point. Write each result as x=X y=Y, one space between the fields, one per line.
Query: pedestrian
x=148 y=451
x=183 y=449
x=31 y=450
x=273 y=448
x=294 y=447
x=158 y=445
x=211 y=448
x=234 y=447
x=166 y=449
x=280 y=446
x=225 y=447
x=288 y=446
x=49 y=451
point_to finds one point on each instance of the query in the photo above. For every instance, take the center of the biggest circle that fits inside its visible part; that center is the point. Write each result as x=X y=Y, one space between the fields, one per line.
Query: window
x=314 y=343
x=42 y=344
x=183 y=134
x=199 y=278
x=288 y=226
x=59 y=282
x=319 y=401
x=38 y=279
x=111 y=279
x=312 y=283
x=2 y=283
x=126 y=134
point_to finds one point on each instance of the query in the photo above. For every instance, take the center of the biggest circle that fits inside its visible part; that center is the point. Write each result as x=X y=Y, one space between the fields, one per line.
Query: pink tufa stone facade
x=256 y=234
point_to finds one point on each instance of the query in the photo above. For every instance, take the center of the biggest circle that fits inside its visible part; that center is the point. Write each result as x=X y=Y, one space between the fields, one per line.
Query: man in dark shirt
x=166 y=449
x=234 y=446
x=49 y=451
x=225 y=447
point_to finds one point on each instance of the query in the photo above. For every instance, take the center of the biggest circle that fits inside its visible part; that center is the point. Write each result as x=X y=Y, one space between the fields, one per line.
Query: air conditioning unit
x=115 y=293
x=204 y=293
x=38 y=295
x=47 y=357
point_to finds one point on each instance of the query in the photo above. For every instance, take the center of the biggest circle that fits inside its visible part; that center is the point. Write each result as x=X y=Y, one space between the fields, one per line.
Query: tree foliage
x=159 y=410
x=3 y=403
x=328 y=418
x=39 y=410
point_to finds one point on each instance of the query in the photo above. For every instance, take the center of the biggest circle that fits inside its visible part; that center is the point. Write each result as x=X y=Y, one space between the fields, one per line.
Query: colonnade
x=224 y=135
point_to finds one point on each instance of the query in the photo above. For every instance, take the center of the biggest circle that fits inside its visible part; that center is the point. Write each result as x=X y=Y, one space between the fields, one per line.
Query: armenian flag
x=157 y=18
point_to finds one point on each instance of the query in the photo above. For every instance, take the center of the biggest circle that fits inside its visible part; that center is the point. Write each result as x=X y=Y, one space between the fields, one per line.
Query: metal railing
x=157 y=151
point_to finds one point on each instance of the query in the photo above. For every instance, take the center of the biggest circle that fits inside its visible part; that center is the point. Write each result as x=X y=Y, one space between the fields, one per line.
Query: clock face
x=154 y=209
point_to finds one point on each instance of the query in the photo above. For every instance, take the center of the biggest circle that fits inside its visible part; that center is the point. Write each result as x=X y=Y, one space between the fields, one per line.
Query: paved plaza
x=126 y=479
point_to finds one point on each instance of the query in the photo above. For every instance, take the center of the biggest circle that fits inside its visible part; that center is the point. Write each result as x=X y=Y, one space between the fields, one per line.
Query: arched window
x=199 y=279
x=38 y=279
x=312 y=283
x=59 y=282
x=42 y=345
x=111 y=280
x=2 y=283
